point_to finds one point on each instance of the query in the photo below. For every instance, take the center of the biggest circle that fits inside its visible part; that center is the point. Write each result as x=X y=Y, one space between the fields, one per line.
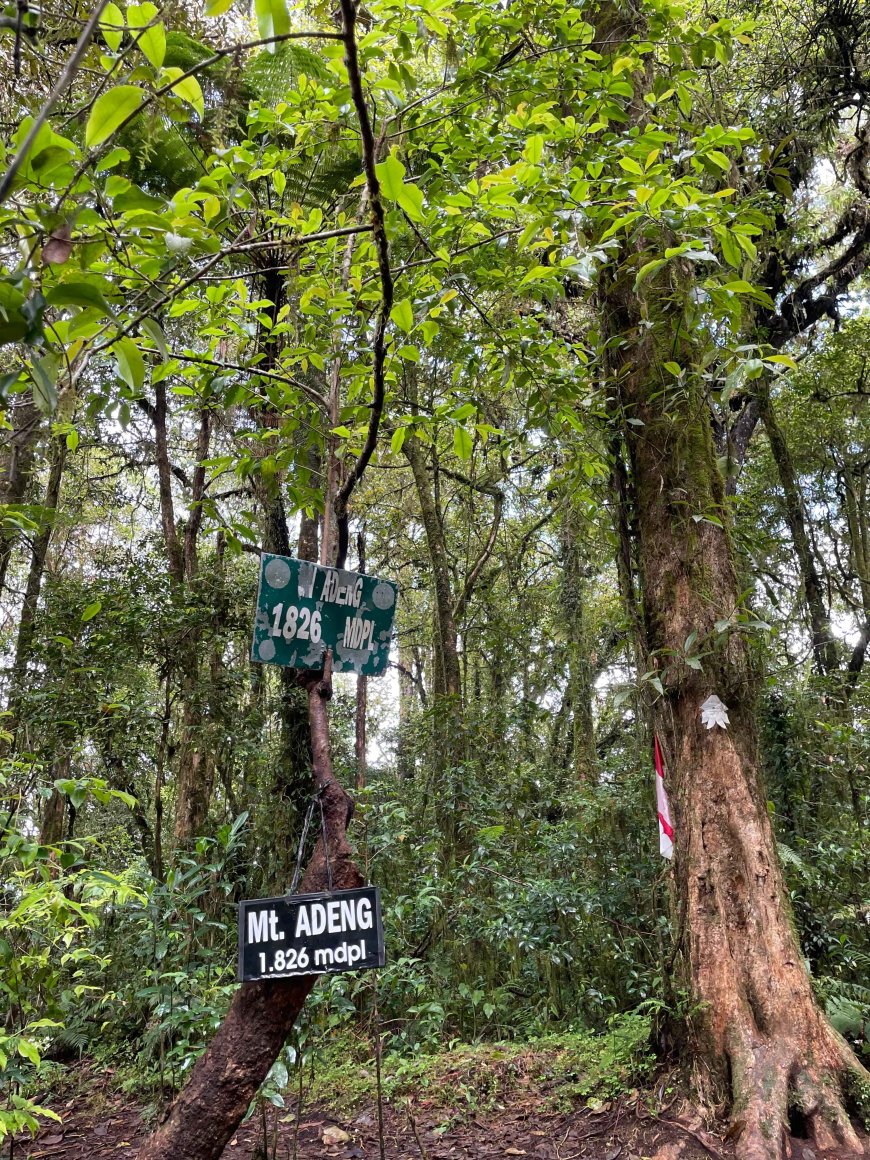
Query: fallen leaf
x=614 y=1154
x=735 y=1129
x=333 y=1135
x=234 y=1143
x=514 y=1151
x=101 y=1129
x=56 y=1139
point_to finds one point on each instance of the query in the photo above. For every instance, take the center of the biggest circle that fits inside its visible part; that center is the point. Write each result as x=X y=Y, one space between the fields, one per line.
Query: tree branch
x=61 y=85
x=382 y=249
x=474 y=574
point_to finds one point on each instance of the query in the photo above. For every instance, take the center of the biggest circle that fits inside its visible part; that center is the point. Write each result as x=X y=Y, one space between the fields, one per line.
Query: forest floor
x=618 y=1130
x=100 y=1122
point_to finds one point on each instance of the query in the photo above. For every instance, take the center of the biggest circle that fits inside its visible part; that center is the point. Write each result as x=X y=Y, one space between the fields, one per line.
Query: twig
x=61 y=85
x=423 y=1153
x=702 y=1139
x=474 y=574
x=254 y=370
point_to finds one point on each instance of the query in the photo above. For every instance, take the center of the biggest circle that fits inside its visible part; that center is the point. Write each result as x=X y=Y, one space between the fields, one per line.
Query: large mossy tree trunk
x=759 y=1027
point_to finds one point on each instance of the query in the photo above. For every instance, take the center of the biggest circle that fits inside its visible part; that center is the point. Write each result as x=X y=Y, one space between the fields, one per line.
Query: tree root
x=771 y=1079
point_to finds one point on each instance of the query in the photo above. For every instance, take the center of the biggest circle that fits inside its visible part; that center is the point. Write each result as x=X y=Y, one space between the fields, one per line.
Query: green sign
x=303 y=609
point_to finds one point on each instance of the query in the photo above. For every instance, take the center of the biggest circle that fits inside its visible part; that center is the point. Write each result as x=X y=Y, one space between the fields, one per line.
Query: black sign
x=310 y=934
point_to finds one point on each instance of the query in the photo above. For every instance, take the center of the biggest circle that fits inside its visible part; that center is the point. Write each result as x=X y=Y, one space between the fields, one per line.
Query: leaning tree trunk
x=226 y=1078
x=759 y=1026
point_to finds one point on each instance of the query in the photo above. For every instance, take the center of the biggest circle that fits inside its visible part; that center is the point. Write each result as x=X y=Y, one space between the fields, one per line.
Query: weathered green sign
x=303 y=609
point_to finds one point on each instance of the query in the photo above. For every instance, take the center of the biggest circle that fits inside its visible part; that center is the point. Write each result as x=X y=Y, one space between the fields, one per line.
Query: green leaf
x=718 y=158
x=648 y=269
x=112 y=26
x=131 y=365
x=782 y=360
x=44 y=374
x=631 y=166
x=534 y=149
x=217 y=7
x=391 y=177
x=82 y=294
x=110 y=111
x=187 y=88
x=154 y=331
x=13 y=325
x=462 y=443
x=741 y=286
x=27 y=1050
x=398 y=440
x=91 y=611
x=152 y=40
x=272 y=18
x=731 y=251
x=403 y=315
x=7 y=382
x=391 y=174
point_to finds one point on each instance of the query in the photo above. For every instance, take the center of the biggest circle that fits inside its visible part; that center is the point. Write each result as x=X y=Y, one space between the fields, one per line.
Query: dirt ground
x=618 y=1130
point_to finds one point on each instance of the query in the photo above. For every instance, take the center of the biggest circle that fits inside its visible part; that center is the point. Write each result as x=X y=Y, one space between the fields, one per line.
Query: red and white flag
x=666 y=829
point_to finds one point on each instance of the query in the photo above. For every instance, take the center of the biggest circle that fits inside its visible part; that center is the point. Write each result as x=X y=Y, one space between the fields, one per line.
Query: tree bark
x=362 y=689
x=174 y=555
x=16 y=465
x=195 y=776
x=404 y=754
x=41 y=543
x=449 y=791
x=578 y=698
x=448 y=679
x=51 y=826
x=759 y=1027
x=824 y=645
x=855 y=503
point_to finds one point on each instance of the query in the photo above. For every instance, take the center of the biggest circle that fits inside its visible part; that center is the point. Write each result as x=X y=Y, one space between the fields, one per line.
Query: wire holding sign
x=303 y=609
